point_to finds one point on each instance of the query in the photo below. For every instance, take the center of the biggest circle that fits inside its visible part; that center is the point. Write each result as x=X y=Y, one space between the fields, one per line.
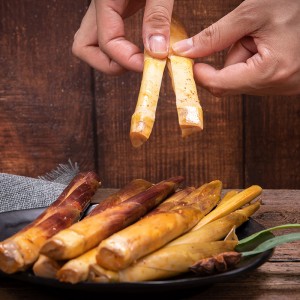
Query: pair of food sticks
x=189 y=110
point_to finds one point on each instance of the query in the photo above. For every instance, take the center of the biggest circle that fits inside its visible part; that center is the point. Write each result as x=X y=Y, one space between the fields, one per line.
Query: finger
x=250 y=77
x=111 y=37
x=100 y=61
x=85 y=45
x=240 y=51
x=219 y=36
x=156 y=27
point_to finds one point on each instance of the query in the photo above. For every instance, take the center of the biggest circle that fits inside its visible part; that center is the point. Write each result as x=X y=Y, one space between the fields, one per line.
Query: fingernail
x=158 y=44
x=183 y=46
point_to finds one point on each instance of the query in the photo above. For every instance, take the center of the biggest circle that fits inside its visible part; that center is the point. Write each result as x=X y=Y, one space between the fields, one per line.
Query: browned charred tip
x=216 y=264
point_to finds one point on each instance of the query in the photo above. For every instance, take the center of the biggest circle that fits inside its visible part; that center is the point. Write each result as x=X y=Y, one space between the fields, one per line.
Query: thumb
x=156 y=27
x=218 y=36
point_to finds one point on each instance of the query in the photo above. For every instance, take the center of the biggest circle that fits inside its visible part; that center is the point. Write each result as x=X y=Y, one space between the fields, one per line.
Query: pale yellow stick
x=235 y=202
x=218 y=228
x=227 y=196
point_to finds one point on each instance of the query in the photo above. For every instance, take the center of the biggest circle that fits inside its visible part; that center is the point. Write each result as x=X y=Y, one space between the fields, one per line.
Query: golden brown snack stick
x=131 y=189
x=171 y=202
x=21 y=250
x=89 y=232
x=77 y=269
x=46 y=267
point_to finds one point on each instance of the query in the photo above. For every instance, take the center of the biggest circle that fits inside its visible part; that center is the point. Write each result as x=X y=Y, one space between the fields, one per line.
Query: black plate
x=11 y=222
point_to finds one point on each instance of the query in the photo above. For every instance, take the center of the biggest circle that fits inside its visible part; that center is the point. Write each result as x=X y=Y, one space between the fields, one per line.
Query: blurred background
x=54 y=107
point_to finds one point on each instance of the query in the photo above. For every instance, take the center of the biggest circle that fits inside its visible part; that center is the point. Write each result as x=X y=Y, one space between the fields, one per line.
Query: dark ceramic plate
x=11 y=222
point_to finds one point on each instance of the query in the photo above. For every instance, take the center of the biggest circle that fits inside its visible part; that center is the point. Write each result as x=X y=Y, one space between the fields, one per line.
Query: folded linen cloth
x=21 y=192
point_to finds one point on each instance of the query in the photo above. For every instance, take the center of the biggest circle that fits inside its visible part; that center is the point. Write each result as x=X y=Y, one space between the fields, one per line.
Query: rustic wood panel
x=272 y=141
x=45 y=92
x=48 y=114
x=215 y=153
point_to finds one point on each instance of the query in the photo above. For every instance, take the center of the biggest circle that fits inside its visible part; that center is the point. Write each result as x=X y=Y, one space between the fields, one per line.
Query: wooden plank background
x=53 y=107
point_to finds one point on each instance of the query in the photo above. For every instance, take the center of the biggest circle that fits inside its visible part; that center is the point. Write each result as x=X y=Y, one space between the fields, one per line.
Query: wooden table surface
x=278 y=278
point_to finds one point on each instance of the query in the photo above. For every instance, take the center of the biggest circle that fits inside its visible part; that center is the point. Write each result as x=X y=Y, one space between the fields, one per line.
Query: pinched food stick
x=144 y=116
x=89 y=232
x=189 y=110
x=21 y=250
x=152 y=232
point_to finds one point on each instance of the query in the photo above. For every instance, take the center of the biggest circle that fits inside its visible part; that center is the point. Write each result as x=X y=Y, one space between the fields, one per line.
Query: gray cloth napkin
x=20 y=192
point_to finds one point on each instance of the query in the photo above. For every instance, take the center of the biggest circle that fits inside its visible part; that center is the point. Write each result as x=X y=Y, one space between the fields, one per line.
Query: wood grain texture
x=272 y=141
x=54 y=107
x=45 y=93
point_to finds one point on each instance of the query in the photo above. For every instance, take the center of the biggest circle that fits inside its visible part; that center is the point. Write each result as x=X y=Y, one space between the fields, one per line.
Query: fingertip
x=137 y=62
x=156 y=27
x=183 y=47
x=157 y=46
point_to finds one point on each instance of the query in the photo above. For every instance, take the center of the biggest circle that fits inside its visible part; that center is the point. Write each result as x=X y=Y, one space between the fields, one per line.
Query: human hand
x=263 y=58
x=100 y=41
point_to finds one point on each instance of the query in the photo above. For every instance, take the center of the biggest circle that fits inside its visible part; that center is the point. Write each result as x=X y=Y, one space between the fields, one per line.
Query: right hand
x=263 y=59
